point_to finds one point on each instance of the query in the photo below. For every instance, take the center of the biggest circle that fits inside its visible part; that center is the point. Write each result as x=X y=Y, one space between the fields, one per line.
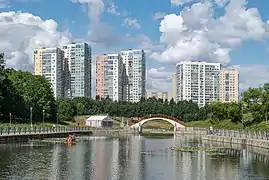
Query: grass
x=200 y=124
x=28 y=125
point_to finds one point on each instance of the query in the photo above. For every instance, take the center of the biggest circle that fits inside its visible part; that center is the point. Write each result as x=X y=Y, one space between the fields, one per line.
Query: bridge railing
x=161 y=116
x=240 y=133
x=42 y=130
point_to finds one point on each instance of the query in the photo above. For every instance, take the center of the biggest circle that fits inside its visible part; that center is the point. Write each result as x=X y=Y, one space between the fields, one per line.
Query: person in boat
x=73 y=138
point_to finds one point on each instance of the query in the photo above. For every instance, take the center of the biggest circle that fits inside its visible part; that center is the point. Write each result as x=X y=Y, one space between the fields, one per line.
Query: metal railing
x=41 y=130
x=264 y=135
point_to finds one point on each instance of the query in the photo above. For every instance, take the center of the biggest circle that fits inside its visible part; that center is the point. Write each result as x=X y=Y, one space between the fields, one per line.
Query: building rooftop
x=97 y=118
x=197 y=62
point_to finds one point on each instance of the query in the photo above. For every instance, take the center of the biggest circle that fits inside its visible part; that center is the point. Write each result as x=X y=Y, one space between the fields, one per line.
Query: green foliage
x=184 y=110
x=22 y=90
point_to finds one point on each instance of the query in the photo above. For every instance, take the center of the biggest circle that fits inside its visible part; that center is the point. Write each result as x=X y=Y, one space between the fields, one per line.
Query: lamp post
x=242 y=111
x=43 y=113
x=57 y=119
x=10 y=116
x=31 y=117
x=57 y=114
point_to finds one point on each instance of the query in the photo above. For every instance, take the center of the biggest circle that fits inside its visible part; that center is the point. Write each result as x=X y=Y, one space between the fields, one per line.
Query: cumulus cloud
x=195 y=33
x=21 y=32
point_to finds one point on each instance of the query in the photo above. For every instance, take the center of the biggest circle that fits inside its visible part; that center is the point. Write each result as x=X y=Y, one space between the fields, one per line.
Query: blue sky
x=234 y=33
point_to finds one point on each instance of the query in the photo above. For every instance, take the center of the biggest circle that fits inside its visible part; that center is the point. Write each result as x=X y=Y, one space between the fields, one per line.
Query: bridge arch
x=176 y=123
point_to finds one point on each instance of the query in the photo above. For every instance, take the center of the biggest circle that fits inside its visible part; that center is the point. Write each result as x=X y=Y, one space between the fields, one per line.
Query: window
x=227 y=76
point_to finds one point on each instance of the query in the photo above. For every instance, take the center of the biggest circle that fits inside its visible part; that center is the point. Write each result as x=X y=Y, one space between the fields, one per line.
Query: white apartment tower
x=110 y=77
x=48 y=62
x=77 y=70
x=135 y=67
x=197 y=81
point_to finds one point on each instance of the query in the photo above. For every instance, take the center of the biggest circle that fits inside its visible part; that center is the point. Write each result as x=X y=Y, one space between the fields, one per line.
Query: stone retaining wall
x=238 y=140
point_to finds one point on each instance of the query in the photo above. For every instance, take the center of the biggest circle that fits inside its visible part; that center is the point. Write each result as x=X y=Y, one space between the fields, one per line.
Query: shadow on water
x=134 y=158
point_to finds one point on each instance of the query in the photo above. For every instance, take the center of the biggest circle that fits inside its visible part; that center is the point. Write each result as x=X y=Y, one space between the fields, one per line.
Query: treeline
x=20 y=91
x=84 y=106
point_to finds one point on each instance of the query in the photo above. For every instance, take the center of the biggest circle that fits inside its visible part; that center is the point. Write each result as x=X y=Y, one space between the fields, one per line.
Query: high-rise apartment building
x=197 y=81
x=78 y=73
x=110 y=77
x=135 y=67
x=100 y=65
x=48 y=62
x=174 y=86
x=229 y=88
x=160 y=95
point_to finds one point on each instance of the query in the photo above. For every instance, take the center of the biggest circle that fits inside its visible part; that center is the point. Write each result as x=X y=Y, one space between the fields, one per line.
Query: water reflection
x=134 y=158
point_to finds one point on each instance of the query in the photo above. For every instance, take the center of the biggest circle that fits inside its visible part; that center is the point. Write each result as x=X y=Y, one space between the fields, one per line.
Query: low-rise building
x=160 y=95
x=99 y=121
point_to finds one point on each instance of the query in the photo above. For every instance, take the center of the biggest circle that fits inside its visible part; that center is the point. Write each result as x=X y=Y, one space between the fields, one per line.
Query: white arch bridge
x=176 y=123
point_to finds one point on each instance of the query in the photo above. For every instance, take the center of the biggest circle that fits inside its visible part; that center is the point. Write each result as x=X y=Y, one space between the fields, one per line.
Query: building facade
x=110 y=77
x=48 y=62
x=2 y=61
x=197 y=81
x=100 y=65
x=134 y=61
x=174 y=86
x=78 y=73
x=229 y=85
x=160 y=95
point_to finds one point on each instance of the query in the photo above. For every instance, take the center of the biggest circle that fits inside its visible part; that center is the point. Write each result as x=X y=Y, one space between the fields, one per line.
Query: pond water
x=127 y=158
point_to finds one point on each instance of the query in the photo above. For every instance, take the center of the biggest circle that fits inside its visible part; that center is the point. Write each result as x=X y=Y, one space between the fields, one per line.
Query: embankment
x=25 y=137
x=18 y=138
x=262 y=143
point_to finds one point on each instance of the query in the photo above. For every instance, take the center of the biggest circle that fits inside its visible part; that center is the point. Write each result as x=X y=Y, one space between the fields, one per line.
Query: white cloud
x=181 y=2
x=95 y=8
x=113 y=9
x=253 y=75
x=195 y=34
x=159 y=79
x=21 y=32
x=158 y=15
x=221 y=3
x=128 y=22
